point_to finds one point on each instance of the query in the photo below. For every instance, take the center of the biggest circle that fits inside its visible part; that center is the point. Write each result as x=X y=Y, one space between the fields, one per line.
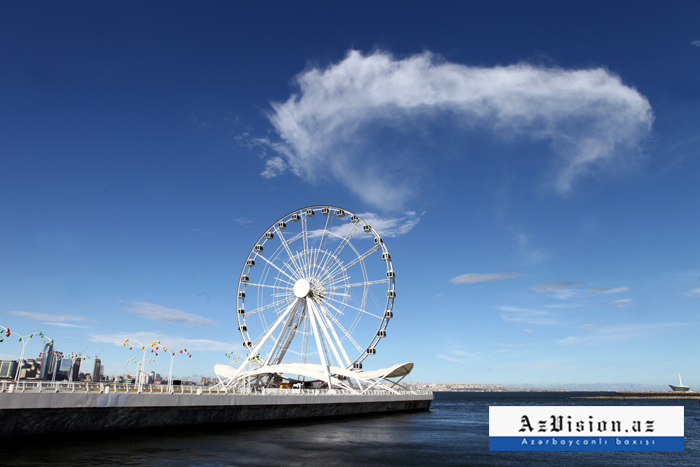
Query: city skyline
x=531 y=168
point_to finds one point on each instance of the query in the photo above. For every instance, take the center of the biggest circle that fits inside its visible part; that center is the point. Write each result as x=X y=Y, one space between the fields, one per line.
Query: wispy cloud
x=694 y=293
x=274 y=167
x=561 y=290
x=619 y=303
x=696 y=43
x=608 y=291
x=48 y=316
x=199 y=230
x=526 y=315
x=589 y=325
x=384 y=226
x=450 y=359
x=528 y=330
x=173 y=342
x=554 y=286
x=67 y=325
x=243 y=222
x=473 y=277
x=162 y=314
x=391 y=226
x=590 y=118
x=532 y=255
x=537 y=365
x=607 y=334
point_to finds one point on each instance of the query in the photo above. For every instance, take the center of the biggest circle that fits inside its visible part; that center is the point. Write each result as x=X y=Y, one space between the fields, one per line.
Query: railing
x=63 y=387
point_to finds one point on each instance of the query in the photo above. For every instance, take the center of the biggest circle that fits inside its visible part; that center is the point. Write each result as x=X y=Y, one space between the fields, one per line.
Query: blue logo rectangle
x=585 y=443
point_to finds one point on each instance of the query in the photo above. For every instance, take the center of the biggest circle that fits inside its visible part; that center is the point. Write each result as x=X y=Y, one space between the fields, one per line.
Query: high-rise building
x=8 y=369
x=97 y=371
x=75 y=370
x=46 y=360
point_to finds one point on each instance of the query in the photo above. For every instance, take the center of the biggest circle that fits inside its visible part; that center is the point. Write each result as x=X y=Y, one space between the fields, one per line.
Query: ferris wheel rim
x=298 y=276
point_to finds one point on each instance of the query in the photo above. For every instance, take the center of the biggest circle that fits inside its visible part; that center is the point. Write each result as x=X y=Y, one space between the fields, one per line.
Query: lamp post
x=143 y=359
x=25 y=341
x=170 y=373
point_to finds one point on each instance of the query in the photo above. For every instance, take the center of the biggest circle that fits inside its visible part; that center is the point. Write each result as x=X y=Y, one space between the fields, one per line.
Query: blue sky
x=532 y=168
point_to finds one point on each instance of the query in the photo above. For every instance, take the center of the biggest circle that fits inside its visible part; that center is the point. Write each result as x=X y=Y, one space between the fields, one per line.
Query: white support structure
x=324 y=278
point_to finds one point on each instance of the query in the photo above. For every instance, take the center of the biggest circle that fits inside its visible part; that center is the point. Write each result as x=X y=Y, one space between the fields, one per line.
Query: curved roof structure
x=317 y=372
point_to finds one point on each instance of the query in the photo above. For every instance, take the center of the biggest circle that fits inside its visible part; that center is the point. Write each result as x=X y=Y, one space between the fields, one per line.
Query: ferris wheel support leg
x=321 y=324
x=323 y=312
x=321 y=353
x=287 y=325
x=272 y=329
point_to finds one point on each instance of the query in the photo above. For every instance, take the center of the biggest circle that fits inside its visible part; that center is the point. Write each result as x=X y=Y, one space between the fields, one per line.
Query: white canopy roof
x=315 y=371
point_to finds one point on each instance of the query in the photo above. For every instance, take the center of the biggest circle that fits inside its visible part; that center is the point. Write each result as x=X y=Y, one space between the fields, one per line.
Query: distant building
x=74 y=371
x=46 y=360
x=8 y=369
x=97 y=371
x=30 y=370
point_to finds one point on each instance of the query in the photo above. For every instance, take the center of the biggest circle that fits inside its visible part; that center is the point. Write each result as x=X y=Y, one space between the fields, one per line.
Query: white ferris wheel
x=314 y=299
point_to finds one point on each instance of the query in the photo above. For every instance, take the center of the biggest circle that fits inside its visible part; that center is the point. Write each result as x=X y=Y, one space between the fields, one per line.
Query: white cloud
x=696 y=43
x=590 y=118
x=172 y=342
x=537 y=365
x=67 y=325
x=526 y=315
x=243 y=222
x=607 y=290
x=561 y=290
x=48 y=316
x=450 y=359
x=160 y=313
x=483 y=277
x=385 y=226
x=274 y=167
x=554 y=286
x=619 y=303
x=694 y=293
x=609 y=334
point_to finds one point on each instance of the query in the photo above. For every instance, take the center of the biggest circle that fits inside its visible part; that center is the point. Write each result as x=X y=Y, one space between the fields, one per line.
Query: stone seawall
x=32 y=413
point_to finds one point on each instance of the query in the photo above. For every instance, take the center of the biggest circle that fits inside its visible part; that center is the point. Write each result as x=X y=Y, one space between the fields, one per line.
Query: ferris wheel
x=316 y=288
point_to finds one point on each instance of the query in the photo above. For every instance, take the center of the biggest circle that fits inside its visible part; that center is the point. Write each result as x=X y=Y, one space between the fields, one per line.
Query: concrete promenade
x=80 y=408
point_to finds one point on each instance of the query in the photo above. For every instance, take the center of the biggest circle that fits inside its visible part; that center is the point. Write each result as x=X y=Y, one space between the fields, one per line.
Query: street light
x=143 y=359
x=170 y=373
x=25 y=341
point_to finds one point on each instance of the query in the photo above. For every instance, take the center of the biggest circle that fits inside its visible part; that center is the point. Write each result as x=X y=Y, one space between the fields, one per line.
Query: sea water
x=453 y=433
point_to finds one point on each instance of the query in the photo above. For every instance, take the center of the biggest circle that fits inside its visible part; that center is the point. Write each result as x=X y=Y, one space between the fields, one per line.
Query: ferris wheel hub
x=302 y=288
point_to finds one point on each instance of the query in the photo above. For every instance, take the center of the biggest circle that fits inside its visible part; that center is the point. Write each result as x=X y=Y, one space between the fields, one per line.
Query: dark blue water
x=453 y=433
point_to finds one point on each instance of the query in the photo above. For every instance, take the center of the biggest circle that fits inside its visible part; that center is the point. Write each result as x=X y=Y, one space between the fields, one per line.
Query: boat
x=679 y=388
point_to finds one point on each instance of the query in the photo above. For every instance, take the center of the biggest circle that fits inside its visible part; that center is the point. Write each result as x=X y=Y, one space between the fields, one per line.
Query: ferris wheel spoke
x=270 y=286
x=335 y=320
x=345 y=268
x=266 y=307
x=358 y=284
x=276 y=267
x=346 y=239
x=287 y=249
x=326 y=229
x=337 y=294
x=305 y=244
x=353 y=307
